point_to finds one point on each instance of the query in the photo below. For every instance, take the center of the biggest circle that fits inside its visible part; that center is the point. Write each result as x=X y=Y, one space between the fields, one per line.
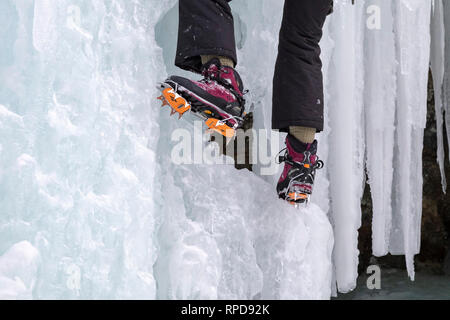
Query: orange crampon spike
x=220 y=127
x=176 y=102
x=164 y=101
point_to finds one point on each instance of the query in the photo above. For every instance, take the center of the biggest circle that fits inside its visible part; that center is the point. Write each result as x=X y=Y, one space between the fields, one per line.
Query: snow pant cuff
x=283 y=125
x=206 y=27
x=191 y=60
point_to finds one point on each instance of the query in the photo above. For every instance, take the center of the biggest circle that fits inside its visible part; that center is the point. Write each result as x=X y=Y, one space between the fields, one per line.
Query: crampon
x=215 y=119
x=297 y=180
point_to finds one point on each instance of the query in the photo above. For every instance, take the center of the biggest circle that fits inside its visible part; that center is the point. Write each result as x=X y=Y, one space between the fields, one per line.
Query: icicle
x=413 y=51
x=446 y=82
x=346 y=144
x=437 y=67
x=380 y=95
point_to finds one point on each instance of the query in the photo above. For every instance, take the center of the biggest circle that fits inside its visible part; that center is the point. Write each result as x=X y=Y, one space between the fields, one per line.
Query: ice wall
x=85 y=170
x=78 y=144
x=91 y=204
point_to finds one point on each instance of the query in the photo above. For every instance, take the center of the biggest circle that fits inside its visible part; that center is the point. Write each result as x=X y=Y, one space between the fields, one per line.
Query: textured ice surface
x=18 y=271
x=85 y=170
x=247 y=245
x=78 y=144
x=86 y=176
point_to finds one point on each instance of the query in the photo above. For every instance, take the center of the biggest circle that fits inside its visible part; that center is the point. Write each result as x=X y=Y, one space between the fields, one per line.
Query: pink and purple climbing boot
x=219 y=96
x=301 y=162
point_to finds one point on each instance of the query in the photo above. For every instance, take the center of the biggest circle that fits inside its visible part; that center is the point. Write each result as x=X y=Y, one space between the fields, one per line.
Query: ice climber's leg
x=206 y=45
x=298 y=95
x=206 y=27
x=298 y=84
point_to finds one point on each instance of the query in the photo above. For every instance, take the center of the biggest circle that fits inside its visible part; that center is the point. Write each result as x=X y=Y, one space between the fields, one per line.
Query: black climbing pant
x=206 y=28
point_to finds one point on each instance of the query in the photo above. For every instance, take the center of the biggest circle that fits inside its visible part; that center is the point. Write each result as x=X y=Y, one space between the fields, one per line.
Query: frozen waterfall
x=92 y=206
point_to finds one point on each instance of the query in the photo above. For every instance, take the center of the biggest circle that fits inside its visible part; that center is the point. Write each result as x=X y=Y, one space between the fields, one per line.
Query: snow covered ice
x=92 y=207
x=18 y=269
